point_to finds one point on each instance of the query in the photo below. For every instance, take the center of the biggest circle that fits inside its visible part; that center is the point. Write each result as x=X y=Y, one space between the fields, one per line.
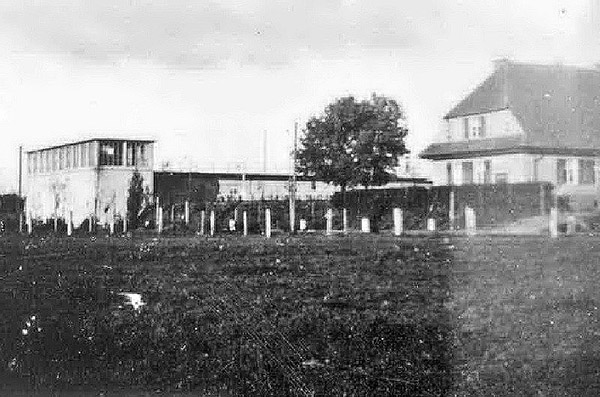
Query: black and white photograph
x=299 y=198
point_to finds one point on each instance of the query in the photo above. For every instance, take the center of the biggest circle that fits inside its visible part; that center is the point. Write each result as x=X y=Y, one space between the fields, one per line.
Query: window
x=68 y=156
x=536 y=169
x=131 y=149
x=83 y=150
x=487 y=171
x=466 y=127
x=502 y=177
x=61 y=158
x=467 y=171
x=111 y=153
x=449 y=174
x=93 y=155
x=561 y=171
x=30 y=163
x=482 y=126
x=586 y=172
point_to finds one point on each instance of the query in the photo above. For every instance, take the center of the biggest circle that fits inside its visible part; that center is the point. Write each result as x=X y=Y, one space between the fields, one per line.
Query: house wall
x=517 y=168
x=255 y=190
x=497 y=124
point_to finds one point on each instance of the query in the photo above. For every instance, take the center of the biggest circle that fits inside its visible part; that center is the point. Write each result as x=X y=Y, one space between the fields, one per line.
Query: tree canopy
x=135 y=199
x=354 y=142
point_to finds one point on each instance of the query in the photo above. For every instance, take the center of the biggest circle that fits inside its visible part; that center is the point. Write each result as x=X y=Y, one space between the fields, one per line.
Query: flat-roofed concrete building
x=89 y=178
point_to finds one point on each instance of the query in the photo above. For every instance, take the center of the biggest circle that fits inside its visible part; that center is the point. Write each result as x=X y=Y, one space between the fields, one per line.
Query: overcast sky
x=206 y=79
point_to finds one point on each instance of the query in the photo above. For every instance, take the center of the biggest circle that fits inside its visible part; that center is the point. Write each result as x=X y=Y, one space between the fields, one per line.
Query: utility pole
x=293 y=182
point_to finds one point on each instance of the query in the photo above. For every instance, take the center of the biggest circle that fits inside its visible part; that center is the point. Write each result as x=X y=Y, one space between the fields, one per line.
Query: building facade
x=524 y=123
x=87 y=178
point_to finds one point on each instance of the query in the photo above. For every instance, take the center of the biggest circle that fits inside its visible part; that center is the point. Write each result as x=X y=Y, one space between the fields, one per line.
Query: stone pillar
x=268 y=223
x=451 y=211
x=245 y=219
x=553 y=222
x=187 y=212
x=366 y=225
x=398 y=222
x=212 y=222
x=70 y=223
x=345 y=220
x=202 y=221
x=329 y=223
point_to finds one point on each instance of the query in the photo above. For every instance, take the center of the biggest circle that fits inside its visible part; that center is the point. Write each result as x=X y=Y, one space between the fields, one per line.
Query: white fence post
x=451 y=209
x=90 y=223
x=431 y=224
x=553 y=223
x=160 y=220
x=29 y=224
x=212 y=222
x=21 y=221
x=268 y=222
x=329 y=223
x=365 y=225
x=112 y=223
x=187 y=212
x=398 y=222
x=470 y=220
x=245 y=219
x=302 y=225
x=202 y=221
x=571 y=225
x=345 y=220
x=70 y=224
x=125 y=223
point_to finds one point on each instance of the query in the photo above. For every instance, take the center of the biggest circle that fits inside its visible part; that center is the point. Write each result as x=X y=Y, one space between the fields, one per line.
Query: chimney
x=501 y=63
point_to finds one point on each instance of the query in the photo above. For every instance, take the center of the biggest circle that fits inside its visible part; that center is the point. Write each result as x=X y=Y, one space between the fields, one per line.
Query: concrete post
x=470 y=220
x=29 y=224
x=302 y=225
x=398 y=222
x=268 y=223
x=160 y=220
x=187 y=212
x=173 y=214
x=55 y=223
x=21 y=221
x=125 y=224
x=212 y=222
x=245 y=219
x=451 y=211
x=365 y=225
x=112 y=223
x=90 y=223
x=345 y=220
x=157 y=213
x=431 y=224
x=329 y=223
x=553 y=222
x=70 y=224
x=571 y=225
x=202 y=221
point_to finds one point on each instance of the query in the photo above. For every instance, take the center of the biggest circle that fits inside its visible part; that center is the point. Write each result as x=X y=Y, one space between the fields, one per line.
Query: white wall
x=518 y=167
x=498 y=124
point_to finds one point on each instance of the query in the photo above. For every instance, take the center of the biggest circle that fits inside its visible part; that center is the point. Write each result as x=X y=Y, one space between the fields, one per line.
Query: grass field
x=526 y=316
x=336 y=316
x=355 y=316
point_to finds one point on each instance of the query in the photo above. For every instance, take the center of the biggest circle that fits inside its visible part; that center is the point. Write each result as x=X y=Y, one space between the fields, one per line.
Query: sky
x=208 y=80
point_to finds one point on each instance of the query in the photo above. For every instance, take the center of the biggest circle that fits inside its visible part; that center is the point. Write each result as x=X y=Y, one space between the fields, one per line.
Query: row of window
x=86 y=154
x=572 y=171
x=65 y=157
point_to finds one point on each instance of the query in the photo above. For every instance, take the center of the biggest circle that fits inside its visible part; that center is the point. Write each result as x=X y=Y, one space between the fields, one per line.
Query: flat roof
x=256 y=176
x=89 y=140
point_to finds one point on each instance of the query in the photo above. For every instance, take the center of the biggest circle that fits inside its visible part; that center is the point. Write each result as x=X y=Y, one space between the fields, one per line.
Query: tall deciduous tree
x=354 y=143
x=135 y=199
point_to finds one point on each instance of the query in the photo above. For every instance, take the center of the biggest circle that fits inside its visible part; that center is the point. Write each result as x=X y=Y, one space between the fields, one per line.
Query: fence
x=422 y=208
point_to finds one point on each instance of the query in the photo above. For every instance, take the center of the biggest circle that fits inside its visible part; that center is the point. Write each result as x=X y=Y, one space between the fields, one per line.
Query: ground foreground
x=304 y=316
x=355 y=316
x=526 y=316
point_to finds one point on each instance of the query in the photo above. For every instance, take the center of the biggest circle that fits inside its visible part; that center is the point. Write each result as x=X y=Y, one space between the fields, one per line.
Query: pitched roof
x=557 y=106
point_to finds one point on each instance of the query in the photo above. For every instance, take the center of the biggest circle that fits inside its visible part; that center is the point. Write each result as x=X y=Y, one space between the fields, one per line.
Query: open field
x=360 y=315
x=364 y=315
x=526 y=312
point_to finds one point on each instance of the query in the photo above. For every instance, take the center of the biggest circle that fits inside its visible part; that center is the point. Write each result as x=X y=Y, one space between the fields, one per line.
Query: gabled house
x=524 y=123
